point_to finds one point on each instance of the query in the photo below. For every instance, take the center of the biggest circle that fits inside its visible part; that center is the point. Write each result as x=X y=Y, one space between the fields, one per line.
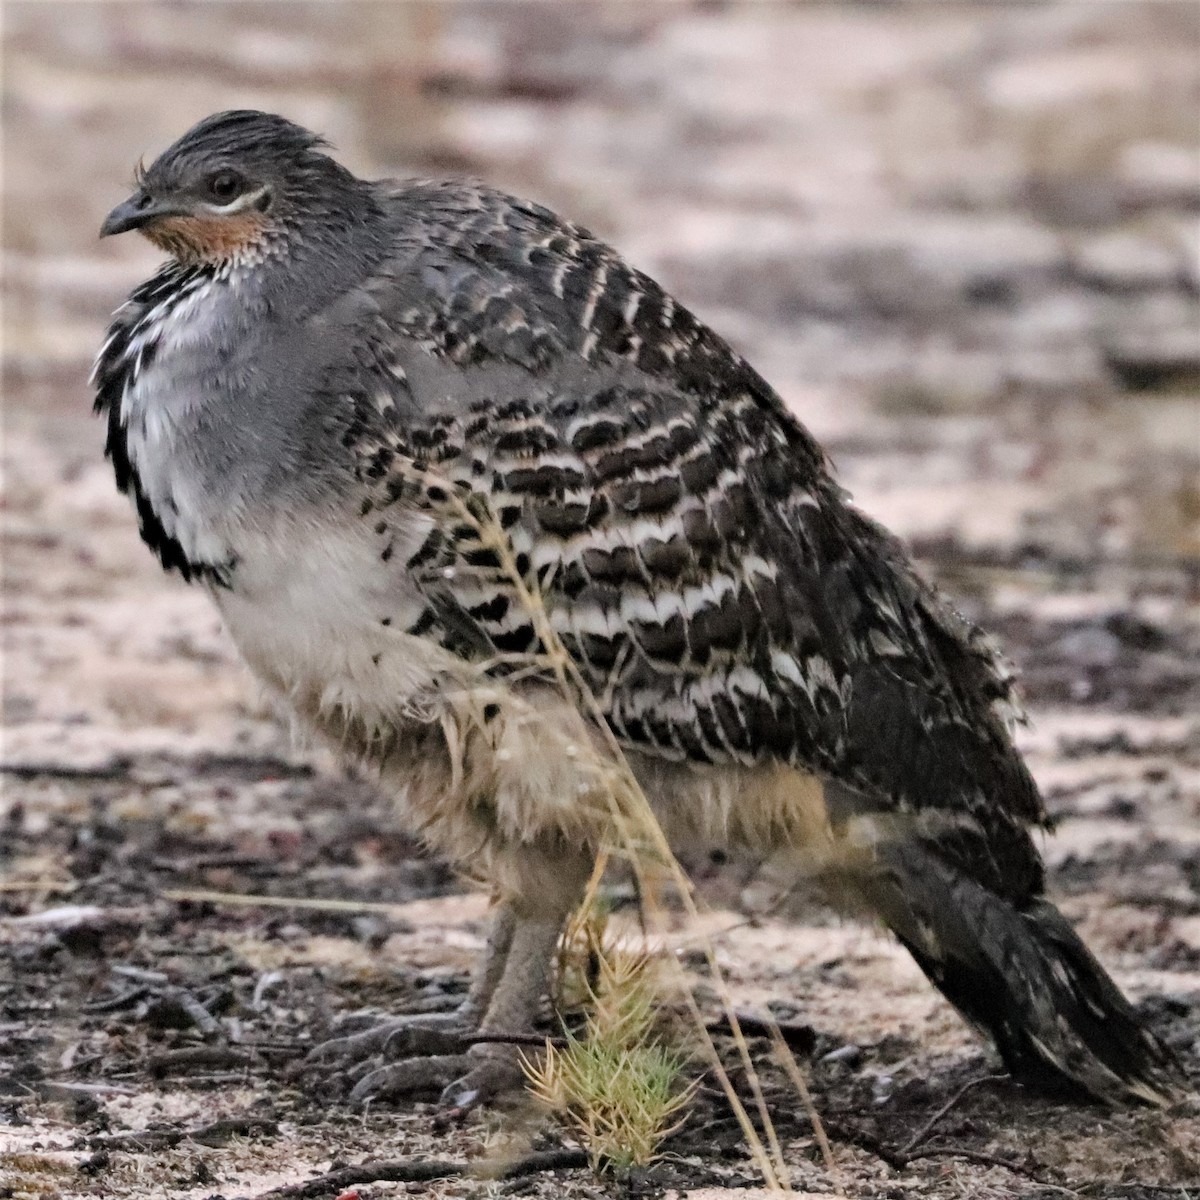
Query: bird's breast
x=322 y=619
x=162 y=431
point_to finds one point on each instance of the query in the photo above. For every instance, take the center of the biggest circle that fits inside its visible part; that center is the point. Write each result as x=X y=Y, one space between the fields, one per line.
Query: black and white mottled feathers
x=128 y=350
x=721 y=597
x=483 y=400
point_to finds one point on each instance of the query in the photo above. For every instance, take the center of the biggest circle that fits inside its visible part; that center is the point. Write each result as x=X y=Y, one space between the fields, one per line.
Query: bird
x=417 y=437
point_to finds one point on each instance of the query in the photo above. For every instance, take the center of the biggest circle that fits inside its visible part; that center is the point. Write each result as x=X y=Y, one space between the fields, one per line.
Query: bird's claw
x=408 y=1077
x=404 y=1038
x=491 y=1077
x=463 y=1080
x=419 y=1054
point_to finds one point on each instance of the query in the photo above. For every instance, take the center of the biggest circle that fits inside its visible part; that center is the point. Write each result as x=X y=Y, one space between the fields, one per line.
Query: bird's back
x=720 y=594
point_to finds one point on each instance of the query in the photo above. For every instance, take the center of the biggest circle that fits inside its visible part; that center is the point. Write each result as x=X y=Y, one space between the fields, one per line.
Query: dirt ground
x=961 y=239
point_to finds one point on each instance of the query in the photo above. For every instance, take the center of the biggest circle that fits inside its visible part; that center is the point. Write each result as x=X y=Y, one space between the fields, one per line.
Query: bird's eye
x=225 y=186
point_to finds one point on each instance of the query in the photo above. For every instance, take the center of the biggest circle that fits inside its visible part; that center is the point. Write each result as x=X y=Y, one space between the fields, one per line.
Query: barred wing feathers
x=709 y=578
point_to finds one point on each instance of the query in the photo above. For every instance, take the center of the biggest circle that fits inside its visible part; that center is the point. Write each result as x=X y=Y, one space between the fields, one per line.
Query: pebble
x=849 y=1054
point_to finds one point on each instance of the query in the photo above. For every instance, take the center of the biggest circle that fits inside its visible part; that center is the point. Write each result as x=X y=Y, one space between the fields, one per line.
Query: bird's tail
x=1021 y=975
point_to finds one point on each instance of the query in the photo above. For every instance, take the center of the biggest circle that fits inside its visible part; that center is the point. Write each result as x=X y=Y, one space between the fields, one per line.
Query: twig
x=425 y=1172
x=209 y=862
x=319 y=904
x=208 y=1025
x=57 y=1089
x=57 y=887
x=117 y=769
x=900 y=1161
x=66 y=917
x=990 y=1160
x=141 y=974
x=925 y=1129
x=799 y=1037
x=215 y=1134
x=110 y=1004
x=200 y=1056
x=788 y=1060
x=866 y=1141
x=120 y=768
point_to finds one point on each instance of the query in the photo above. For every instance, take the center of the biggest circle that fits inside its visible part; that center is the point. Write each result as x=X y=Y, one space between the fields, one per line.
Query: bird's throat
x=212 y=240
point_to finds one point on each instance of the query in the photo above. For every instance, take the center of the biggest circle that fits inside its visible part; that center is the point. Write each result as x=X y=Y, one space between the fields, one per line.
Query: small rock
x=849 y=1054
x=1090 y=647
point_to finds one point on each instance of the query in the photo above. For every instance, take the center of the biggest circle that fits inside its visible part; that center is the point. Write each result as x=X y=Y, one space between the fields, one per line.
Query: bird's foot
x=418 y=1055
x=463 y=1081
x=422 y=1036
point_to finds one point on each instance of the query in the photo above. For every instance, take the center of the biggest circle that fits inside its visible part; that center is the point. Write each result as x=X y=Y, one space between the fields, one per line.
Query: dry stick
x=424 y=1172
x=217 y=1133
x=925 y=1129
x=784 y=1053
x=202 y=896
x=59 y=1088
x=205 y=1022
x=797 y=1036
x=991 y=1160
x=58 y=887
x=123 y=768
x=901 y=1161
x=201 y=1056
x=575 y=688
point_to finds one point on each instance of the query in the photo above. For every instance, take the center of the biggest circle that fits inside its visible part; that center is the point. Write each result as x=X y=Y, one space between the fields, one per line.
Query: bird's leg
x=428 y=1034
x=545 y=883
x=490 y=969
x=494 y=1067
x=488 y=1069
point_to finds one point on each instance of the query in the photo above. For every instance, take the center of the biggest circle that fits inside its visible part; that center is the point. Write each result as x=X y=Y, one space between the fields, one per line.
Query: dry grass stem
x=784 y=1053
x=314 y=903
x=639 y=838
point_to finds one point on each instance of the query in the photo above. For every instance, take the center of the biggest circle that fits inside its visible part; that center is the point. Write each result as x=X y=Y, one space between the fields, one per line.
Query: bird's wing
x=721 y=597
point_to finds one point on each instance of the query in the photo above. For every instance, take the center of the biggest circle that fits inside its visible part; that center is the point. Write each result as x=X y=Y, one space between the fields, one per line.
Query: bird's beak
x=135 y=213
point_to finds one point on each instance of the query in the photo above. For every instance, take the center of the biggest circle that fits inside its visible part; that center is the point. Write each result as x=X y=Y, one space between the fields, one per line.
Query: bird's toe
x=410 y=1076
x=405 y=1037
x=491 y=1079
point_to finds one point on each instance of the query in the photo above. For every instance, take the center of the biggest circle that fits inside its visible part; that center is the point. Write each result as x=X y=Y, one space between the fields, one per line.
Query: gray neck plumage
x=324 y=243
x=210 y=381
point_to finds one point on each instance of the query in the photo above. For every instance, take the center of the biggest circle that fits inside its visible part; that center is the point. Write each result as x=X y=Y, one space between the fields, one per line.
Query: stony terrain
x=962 y=240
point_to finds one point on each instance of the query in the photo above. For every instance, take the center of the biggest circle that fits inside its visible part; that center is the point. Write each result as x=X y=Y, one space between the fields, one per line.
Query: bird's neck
x=307 y=259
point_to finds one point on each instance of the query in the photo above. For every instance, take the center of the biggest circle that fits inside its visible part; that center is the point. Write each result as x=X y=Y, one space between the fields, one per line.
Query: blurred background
x=961 y=239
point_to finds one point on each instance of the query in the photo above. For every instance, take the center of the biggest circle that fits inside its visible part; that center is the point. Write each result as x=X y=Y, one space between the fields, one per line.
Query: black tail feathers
x=1022 y=976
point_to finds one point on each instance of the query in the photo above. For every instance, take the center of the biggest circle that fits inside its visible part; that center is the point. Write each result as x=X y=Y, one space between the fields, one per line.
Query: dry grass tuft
x=618 y=1082
x=618 y=1085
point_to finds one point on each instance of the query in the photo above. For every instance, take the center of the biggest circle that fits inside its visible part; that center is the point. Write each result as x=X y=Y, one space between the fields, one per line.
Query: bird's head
x=230 y=186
